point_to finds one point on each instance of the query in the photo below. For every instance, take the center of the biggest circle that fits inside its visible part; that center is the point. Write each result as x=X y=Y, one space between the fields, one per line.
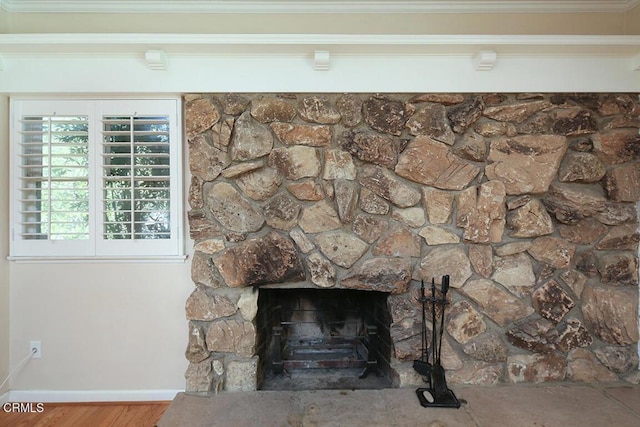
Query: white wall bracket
x=156 y=59
x=485 y=60
x=321 y=60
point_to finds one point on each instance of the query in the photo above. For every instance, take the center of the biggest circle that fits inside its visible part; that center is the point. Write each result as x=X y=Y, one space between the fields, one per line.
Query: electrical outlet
x=37 y=345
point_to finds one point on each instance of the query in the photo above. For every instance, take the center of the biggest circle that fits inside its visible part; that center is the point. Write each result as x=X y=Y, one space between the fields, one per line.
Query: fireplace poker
x=445 y=289
x=434 y=332
x=422 y=366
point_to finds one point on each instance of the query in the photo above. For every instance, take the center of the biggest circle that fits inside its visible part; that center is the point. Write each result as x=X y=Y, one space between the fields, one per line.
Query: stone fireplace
x=528 y=201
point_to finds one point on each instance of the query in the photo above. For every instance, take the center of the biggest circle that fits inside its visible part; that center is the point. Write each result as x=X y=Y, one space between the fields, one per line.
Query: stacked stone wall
x=528 y=201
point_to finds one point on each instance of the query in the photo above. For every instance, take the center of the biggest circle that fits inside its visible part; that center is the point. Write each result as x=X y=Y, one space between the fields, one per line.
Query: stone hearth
x=528 y=201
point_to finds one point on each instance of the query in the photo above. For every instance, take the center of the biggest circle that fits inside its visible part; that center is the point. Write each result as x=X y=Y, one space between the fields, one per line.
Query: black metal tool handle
x=424 y=323
x=445 y=289
x=445 y=286
x=434 y=332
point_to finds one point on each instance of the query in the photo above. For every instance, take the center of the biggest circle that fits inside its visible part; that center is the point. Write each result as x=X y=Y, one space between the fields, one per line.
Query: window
x=96 y=178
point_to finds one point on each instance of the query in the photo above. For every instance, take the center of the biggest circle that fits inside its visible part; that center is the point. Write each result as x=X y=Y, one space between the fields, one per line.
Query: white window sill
x=98 y=259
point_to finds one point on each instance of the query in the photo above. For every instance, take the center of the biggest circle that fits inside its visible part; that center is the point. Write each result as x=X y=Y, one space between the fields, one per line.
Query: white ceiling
x=318 y=6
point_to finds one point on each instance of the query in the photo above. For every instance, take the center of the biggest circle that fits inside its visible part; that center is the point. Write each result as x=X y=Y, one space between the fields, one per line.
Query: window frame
x=96 y=247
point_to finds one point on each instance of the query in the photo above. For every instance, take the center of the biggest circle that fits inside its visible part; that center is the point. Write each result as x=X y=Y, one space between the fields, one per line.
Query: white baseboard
x=4 y=398
x=69 y=396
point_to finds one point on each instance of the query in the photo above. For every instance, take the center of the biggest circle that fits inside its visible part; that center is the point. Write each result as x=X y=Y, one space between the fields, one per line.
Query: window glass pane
x=136 y=177
x=54 y=183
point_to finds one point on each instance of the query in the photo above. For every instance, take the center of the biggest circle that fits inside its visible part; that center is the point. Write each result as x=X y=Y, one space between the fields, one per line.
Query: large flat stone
x=623 y=183
x=464 y=322
x=553 y=251
x=438 y=204
x=314 y=136
x=398 y=242
x=204 y=306
x=430 y=162
x=534 y=334
x=206 y=161
x=551 y=301
x=617 y=146
x=260 y=184
x=267 y=110
x=527 y=163
x=372 y=147
x=431 y=120
x=570 y=203
x=343 y=249
x=391 y=275
x=384 y=114
x=583 y=366
x=232 y=336
x=318 y=109
x=499 y=305
x=241 y=375
x=386 y=185
x=517 y=112
x=530 y=220
x=618 y=268
x=250 y=140
x=482 y=212
x=507 y=405
x=536 y=368
x=611 y=313
x=319 y=217
x=232 y=210
x=514 y=272
x=463 y=115
x=201 y=114
x=269 y=259
x=296 y=162
x=450 y=261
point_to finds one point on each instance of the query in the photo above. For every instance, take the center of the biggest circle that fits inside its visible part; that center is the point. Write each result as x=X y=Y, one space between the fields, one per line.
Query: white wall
x=4 y=241
x=102 y=326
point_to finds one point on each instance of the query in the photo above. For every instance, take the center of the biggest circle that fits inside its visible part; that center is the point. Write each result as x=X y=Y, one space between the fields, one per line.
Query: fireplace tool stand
x=437 y=394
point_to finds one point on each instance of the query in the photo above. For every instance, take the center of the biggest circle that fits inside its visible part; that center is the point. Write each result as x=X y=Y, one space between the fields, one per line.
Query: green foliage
x=136 y=190
x=135 y=184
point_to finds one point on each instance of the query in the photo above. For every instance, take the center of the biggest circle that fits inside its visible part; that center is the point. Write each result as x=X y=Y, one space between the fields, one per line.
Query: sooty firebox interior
x=323 y=339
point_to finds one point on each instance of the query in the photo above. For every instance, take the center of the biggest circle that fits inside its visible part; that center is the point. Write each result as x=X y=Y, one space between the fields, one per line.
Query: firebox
x=323 y=339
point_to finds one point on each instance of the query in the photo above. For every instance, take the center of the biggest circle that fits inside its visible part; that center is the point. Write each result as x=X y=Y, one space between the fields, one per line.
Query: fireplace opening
x=310 y=339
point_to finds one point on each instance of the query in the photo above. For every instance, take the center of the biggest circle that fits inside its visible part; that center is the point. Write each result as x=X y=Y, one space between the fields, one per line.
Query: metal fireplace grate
x=330 y=336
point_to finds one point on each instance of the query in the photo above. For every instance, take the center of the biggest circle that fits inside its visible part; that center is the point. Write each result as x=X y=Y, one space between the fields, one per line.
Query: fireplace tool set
x=437 y=394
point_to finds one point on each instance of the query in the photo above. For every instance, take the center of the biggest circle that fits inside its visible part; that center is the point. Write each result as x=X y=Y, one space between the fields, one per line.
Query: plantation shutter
x=136 y=177
x=51 y=200
x=96 y=178
x=54 y=191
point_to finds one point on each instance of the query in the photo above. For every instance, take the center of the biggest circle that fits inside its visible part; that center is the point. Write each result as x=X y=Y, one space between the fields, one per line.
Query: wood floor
x=134 y=414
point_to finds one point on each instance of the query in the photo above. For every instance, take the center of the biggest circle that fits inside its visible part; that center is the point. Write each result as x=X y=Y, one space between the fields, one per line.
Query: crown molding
x=119 y=43
x=316 y=6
